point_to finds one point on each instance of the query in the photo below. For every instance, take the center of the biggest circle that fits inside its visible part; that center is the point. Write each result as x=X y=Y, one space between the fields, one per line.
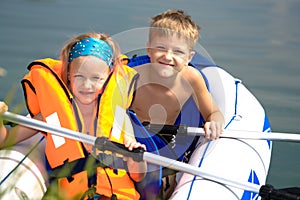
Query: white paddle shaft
x=252 y=135
x=149 y=157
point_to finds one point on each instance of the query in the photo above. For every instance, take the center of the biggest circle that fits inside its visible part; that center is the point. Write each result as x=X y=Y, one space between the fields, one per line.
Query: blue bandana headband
x=94 y=47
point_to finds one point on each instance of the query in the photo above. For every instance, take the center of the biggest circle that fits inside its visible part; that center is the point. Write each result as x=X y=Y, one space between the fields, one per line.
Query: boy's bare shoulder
x=191 y=73
x=143 y=71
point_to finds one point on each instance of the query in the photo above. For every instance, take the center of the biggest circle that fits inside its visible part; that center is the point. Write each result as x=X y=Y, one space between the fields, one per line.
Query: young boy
x=168 y=82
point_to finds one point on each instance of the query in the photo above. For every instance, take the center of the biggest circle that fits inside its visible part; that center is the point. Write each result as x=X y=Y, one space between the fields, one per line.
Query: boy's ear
x=148 y=48
x=191 y=55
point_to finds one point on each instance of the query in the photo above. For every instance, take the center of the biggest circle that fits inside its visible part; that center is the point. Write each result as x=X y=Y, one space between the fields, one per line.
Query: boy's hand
x=213 y=129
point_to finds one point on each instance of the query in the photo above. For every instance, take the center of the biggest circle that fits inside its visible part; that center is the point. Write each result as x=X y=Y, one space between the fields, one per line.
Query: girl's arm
x=137 y=170
x=16 y=134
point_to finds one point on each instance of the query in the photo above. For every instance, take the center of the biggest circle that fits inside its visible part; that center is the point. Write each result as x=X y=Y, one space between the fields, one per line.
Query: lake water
x=257 y=41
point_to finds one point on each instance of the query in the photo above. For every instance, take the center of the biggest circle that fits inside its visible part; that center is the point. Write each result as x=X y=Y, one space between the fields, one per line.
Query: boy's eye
x=160 y=48
x=178 y=52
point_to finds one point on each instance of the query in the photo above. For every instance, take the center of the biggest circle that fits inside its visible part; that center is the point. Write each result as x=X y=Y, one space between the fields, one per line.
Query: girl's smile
x=87 y=77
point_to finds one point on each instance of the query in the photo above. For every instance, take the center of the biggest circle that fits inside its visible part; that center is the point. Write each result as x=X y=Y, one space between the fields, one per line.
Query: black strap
x=167 y=172
x=89 y=164
x=171 y=135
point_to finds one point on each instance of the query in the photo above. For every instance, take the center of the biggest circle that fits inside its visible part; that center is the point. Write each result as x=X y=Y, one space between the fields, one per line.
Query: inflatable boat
x=24 y=175
x=241 y=160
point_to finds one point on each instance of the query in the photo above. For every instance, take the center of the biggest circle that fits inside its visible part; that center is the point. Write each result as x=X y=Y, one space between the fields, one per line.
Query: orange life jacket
x=46 y=93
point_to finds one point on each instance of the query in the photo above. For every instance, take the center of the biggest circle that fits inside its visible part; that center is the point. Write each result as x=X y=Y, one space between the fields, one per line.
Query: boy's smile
x=171 y=53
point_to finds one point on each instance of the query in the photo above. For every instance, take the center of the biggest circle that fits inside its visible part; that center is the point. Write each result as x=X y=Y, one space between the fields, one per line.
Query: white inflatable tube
x=23 y=173
x=241 y=160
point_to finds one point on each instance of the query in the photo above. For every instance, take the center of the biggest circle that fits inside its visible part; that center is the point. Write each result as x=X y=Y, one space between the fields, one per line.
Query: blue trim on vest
x=151 y=184
x=200 y=61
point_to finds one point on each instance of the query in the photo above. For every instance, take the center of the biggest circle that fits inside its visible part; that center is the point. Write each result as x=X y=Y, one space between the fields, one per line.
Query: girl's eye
x=96 y=78
x=78 y=76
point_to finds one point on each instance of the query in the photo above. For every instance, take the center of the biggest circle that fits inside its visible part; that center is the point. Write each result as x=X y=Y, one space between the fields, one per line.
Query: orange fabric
x=43 y=85
x=51 y=96
x=121 y=184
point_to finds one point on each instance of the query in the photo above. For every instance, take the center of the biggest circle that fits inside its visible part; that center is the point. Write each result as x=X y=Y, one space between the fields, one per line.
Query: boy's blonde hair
x=64 y=56
x=175 y=22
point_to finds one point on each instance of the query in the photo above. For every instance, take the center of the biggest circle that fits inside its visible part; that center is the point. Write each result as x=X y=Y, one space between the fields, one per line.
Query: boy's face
x=87 y=76
x=170 y=53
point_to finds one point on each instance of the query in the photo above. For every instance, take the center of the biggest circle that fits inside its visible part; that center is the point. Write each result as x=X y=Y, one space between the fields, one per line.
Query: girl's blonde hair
x=65 y=52
x=175 y=22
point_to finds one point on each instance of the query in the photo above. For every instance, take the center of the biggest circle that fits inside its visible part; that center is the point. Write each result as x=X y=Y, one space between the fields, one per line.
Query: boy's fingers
x=207 y=130
x=213 y=129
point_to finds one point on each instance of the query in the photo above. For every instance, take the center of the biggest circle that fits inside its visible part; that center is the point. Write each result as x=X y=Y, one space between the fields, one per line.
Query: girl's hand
x=137 y=170
x=133 y=145
x=130 y=143
x=3 y=107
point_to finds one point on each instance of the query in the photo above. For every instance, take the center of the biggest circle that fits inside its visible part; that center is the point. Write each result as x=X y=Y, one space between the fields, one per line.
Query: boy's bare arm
x=207 y=106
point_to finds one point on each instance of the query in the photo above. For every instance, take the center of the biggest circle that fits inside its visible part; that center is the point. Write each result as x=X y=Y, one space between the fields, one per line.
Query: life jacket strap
x=90 y=193
x=167 y=172
x=89 y=164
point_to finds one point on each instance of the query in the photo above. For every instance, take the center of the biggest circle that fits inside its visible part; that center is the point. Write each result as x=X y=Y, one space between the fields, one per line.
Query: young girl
x=89 y=91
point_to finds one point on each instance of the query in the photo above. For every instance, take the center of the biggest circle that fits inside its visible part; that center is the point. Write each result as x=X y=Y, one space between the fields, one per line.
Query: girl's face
x=169 y=53
x=87 y=76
